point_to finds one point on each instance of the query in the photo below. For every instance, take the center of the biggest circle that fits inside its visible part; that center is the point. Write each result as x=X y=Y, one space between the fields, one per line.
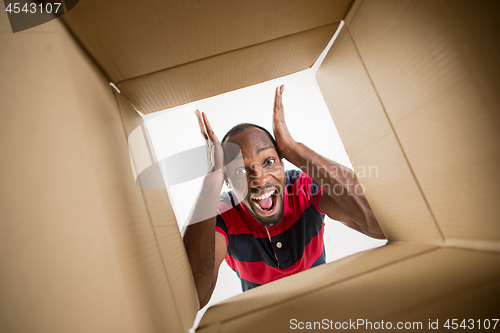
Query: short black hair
x=244 y=126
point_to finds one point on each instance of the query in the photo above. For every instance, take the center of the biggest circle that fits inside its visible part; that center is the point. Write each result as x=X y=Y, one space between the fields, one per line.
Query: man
x=271 y=224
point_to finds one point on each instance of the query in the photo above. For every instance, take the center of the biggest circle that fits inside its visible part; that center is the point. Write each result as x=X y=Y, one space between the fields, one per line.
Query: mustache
x=258 y=189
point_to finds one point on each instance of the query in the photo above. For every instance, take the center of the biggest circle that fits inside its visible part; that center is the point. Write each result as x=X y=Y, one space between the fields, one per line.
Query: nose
x=259 y=178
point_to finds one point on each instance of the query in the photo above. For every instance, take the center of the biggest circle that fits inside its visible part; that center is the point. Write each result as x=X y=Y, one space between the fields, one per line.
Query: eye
x=269 y=162
x=240 y=171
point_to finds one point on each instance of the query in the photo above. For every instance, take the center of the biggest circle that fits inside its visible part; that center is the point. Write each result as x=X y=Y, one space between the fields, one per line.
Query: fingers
x=210 y=131
x=205 y=127
x=278 y=97
x=202 y=125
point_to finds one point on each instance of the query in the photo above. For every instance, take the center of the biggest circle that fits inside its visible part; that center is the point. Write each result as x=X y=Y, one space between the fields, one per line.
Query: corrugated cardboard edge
x=226 y=72
x=168 y=240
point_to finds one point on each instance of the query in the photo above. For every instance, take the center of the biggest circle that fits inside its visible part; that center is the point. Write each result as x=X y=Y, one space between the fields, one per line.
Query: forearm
x=340 y=183
x=199 y=238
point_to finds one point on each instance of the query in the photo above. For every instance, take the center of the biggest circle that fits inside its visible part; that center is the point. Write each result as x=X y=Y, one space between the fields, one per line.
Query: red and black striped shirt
x=259 y=256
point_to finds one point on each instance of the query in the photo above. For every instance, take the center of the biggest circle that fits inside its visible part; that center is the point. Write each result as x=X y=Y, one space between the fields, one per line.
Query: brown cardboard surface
x=461 y=306
x=411 y=85
x=228 y=71
x=393 y=192
x=432 y=64
x=77 y=244
x=131 y=38
x=52 y=243
x=311 y=281
x=167 y=236
x=352 y=11
x=391 y=293
x=164 y=54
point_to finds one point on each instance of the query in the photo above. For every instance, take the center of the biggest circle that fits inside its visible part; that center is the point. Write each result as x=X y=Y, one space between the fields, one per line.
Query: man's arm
x=343 y=199
x=206 y=248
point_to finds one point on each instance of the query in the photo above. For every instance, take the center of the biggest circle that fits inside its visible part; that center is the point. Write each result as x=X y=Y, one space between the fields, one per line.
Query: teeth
x=263 y=196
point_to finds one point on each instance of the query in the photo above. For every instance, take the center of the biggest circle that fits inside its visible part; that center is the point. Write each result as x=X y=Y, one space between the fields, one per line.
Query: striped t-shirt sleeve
x=221 y=228
x=304 y=183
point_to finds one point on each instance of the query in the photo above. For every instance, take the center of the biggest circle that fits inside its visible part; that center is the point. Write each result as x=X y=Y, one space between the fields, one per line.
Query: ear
x=227 y=183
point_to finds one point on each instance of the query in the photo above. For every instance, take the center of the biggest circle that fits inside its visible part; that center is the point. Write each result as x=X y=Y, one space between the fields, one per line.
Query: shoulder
x=303 y=183
x=292 y=176
x=227 y=198
x=298 y=178
x=228 y=216
x=227 y=202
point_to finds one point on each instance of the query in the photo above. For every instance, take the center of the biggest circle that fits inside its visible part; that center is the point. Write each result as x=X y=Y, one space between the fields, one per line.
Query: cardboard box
x=411 y=85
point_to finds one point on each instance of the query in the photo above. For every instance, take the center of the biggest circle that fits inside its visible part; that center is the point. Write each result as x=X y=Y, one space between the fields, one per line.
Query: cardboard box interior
x=412 y=88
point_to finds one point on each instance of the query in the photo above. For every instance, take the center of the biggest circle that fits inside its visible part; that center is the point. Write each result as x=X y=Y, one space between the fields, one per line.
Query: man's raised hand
x=283 y=138
x=213 y=145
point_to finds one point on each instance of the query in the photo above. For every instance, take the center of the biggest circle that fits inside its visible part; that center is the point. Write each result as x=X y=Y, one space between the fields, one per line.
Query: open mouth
x=266 y=203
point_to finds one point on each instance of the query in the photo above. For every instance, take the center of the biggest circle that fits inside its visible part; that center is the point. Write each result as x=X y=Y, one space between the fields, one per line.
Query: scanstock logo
x=28 y=14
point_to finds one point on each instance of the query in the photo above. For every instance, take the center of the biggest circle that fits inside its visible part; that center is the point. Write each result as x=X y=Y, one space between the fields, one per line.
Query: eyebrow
x=264 y=148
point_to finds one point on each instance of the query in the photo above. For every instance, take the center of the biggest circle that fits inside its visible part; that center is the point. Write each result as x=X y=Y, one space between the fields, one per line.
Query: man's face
x=257 y=176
